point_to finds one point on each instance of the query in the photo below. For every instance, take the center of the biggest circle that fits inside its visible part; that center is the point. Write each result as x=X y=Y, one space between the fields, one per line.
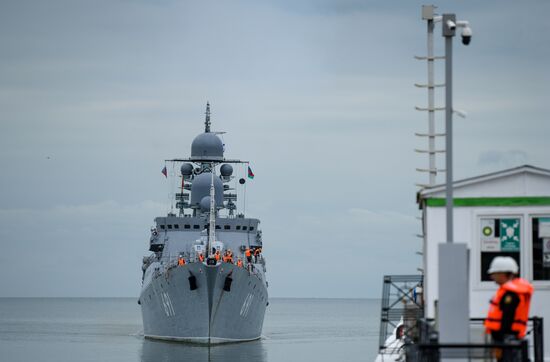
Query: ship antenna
x=212 y=228
x=207 y=120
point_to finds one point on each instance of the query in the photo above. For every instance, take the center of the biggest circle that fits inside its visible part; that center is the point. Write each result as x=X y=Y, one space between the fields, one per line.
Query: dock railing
x=427 y=348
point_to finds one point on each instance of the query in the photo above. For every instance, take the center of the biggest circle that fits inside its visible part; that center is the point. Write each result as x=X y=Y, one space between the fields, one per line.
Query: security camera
x=451 y=25
x=466 y=35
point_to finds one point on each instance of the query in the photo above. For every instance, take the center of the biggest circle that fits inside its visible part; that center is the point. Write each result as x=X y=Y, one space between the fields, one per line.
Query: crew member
x=509 y=308
x=181 y=261
x=201 y=257
x=217 y=255
x=257 y=253
x=248 y=255
x=239 y=263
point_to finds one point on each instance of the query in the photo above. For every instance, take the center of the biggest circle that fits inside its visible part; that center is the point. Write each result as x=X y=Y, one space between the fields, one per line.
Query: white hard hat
x=503 y=264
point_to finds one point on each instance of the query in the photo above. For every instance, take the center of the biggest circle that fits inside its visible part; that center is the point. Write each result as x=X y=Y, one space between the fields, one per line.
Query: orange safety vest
x=240 y=263
x=217 y=255
x=524 y=290
x=201 y=257
x=181 y=261
x=247 y=253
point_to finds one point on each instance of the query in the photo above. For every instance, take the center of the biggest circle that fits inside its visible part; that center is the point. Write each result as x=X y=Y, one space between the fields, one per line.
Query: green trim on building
x=491 y=201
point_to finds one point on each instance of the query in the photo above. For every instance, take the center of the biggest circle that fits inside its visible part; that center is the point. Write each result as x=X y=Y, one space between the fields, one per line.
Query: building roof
x=522 y=181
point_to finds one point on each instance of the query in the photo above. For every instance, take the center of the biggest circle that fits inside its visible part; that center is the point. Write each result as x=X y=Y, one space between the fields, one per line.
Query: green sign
x=509 y=234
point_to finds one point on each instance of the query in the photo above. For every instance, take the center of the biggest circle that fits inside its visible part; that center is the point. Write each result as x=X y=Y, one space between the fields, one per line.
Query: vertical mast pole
x=449 y=132
x=212 y=228
x=431 y=105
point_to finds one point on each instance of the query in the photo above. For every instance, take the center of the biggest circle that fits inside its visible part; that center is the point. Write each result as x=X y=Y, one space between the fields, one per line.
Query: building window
x=176 y=226
x=169 y=226
x=244 y=227
x=162 y=227
x=238 y=227
x=251 y=228
x=196 y=227
x=541 y=247
x=227 y=227
x=498 y=237
x=187 y=226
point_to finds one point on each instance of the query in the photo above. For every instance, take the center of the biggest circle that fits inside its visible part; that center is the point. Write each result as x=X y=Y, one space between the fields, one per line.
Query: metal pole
x=449 y=133
x=431 y=111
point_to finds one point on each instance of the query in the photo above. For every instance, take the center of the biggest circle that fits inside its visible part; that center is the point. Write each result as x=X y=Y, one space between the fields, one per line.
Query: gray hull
x=209 y=314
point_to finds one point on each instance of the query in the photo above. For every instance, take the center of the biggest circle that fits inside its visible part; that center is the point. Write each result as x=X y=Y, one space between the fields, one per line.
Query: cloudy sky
x=317 y=94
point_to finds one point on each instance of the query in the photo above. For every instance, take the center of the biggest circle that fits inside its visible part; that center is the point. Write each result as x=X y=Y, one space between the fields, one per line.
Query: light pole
x=454 y=300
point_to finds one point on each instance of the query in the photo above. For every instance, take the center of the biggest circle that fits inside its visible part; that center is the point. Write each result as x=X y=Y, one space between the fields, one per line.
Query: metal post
x=431 y=105
x=449 y=34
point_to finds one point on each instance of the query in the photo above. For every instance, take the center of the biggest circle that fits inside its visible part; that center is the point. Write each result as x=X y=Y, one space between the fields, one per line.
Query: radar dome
x=186 y=169
x=207 y=146
x=201 y=188
x=205 y=203
x=226 y=170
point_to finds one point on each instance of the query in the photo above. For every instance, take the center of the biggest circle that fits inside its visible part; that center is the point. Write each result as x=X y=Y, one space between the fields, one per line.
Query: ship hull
x=209 y=314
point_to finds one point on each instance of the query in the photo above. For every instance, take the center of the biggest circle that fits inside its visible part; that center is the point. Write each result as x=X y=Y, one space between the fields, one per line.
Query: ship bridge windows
x=169 y=226
x=227 y=227
x=244 y=227
x=238 y=227
x=187 y=226
x=176 y=226
x=251 y=228
x=196 y=227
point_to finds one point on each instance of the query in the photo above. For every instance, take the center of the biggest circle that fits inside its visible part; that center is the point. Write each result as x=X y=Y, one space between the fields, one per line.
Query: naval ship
x=204 y=281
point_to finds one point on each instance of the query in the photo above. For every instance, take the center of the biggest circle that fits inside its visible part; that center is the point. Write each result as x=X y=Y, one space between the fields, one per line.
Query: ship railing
x=425 y=346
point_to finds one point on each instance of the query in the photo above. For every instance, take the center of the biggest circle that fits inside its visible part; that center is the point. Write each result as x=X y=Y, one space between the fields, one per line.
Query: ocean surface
x=110 y=329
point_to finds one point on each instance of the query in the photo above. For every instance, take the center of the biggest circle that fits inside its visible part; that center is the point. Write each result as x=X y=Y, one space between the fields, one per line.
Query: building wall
x=467 y=230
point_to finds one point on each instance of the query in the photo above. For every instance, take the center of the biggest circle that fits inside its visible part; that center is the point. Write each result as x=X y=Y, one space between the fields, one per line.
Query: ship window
x=196 y=227
x=227 y=227
x=251 y=228
x=498 y=237
x=162 y=227
x=169 y=226
x=244 y=227
x=238 y=227
x=218 y=227
x=176 y=226
x=540 y=231
x=187 y=226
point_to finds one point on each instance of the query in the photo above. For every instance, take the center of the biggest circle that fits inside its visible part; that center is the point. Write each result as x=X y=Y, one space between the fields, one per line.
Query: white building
x=502 y=213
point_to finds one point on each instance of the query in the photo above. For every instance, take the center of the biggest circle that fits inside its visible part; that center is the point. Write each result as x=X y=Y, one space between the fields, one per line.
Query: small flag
x=250 y=173
x=164 y=172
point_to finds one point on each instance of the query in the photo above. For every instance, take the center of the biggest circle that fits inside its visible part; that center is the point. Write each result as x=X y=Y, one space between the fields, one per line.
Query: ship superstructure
x=204 y=281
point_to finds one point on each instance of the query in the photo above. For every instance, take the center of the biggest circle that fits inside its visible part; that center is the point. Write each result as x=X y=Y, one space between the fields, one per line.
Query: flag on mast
x=250 y=173
x=165 y=172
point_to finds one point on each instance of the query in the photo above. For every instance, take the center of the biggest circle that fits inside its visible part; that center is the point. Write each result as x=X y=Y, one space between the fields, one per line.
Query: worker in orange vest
x=217 y=255
x=248 y=255
x=257 y=253
x=239 y=263
x=181 y=261
x=201 y=257
x=509 y=308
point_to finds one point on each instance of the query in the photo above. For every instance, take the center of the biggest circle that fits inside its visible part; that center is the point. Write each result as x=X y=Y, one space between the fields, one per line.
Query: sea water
x=110 y=329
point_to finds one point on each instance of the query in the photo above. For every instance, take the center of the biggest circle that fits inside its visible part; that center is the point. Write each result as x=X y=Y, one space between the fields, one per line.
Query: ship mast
x=212 y=227
x=207 y=120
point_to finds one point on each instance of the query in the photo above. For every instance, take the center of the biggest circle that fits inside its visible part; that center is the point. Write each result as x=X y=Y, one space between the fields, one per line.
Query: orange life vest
x=524 y=291
x=181 y=261
x=217 y=255
x=201 y=257
x=240 y=263
x=247 y=253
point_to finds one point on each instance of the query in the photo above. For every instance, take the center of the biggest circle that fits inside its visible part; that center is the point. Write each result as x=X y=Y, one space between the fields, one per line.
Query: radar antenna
x=207 y=120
